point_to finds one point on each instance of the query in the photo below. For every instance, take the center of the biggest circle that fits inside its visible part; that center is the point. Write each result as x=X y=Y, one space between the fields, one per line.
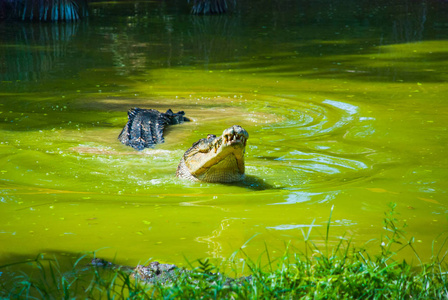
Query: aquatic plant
x=46 y=10
x=345 y=271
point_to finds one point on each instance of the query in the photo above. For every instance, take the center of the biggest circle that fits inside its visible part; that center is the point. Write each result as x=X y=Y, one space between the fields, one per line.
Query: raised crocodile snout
x=216 y=159
x=235 y=134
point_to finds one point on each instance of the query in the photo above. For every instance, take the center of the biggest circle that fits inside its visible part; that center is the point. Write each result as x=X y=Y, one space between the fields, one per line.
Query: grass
x=342 y=272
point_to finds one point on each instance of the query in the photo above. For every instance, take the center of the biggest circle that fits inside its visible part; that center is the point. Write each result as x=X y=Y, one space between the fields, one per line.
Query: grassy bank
x=344 y=271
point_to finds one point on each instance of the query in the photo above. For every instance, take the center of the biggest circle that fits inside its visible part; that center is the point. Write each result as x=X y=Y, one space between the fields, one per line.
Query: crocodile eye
x=203 y=145
x=211 y=136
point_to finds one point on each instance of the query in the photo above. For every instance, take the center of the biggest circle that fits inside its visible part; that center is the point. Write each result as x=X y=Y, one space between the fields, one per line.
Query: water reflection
x=215 y=247
x=290 y=227
x=324 y=163
x=31 y=51
x=147 y=35
x=213 y=38
x=309 y=198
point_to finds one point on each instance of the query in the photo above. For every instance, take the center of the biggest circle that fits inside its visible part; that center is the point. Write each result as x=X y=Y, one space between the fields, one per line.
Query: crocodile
x=216 y=159
x=145 y=127
x=166 y=274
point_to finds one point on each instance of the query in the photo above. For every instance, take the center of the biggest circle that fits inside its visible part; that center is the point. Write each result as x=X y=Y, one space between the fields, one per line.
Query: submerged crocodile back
x=145 y=127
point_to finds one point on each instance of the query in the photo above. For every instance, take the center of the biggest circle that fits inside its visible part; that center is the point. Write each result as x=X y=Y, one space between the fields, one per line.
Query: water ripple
x=318 y=145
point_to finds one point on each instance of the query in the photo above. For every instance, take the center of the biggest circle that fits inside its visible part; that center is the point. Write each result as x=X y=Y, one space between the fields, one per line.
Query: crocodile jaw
x=226 y=165
x=218 y=160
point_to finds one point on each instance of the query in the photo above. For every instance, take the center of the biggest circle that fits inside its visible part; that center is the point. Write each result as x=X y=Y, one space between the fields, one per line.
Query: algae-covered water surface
x=345 y=105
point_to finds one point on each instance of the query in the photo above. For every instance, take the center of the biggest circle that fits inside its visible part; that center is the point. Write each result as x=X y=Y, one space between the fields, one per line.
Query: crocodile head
x=216 y=159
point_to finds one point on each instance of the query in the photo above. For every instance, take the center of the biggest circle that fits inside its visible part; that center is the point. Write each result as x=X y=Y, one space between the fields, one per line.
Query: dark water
x=345 y=104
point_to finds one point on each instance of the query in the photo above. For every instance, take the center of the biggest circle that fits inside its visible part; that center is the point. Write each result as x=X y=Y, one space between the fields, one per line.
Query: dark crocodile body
x=145 y=127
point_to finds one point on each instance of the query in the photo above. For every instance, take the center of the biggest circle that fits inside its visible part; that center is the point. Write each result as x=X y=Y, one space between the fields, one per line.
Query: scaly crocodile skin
x=216 y=159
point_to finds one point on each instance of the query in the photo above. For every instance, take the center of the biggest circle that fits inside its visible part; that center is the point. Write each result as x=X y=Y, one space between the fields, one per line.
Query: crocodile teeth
x=233 y=137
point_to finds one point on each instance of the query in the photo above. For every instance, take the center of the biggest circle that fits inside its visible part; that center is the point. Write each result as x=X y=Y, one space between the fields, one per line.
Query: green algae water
x=345 y=105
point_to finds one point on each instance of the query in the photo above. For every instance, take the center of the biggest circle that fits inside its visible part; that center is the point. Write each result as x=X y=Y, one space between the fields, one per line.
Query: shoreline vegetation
x=344 y=271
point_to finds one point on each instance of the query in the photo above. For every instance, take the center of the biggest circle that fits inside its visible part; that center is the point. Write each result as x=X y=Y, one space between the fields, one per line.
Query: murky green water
x=345 y=105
